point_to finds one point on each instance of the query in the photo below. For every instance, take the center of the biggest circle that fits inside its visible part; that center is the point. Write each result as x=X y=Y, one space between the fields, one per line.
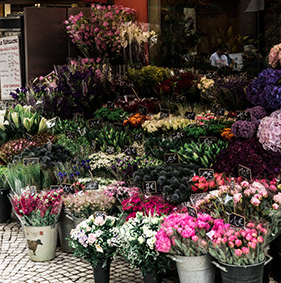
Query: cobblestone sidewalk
x=15 y=266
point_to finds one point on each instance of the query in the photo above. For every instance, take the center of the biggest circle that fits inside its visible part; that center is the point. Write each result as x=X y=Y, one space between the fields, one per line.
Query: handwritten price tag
x=207 y=140
x=70 y=135
x=172 y=158
x=92 y=186
x=68 y=188
x=207 y=173
x=150 y=187
x=138 y=137
x=164 y=113
x=245 y=172
x=110 y=150
x=31 y=160
x=130 y=150
x=244 y=115
x=190 y=115
x=192 y=211
x=237 y=220
x=95 y=123
x=178 y=98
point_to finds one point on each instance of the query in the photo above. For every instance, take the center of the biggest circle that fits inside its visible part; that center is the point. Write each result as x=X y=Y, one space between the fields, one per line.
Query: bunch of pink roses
x=238 y=246
x=41 y=209
x=183 y=235
x=274 y=57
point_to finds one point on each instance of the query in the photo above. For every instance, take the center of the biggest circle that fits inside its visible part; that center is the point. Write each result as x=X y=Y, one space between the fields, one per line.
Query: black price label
x=214 y=109
x=150 y=187
x=130 y=150
x=138 y=66
x=100 y=214
x=118 y=127
x=220 y=111
x=178 y=135
x=55 y=187
x=33 y=190
x=68 y=188
x=95 y=123
x=237 y=220
x=232 y=184
x=110 y=104
x=190 y=115
x=70 y=135
x=244 y=115
x=192 y=211
x=208 y=140
x=164 y=113
x=110 y=150
x=196 y=197
x=31 y=160
x=138 y=137
x=92 y=186
x=245 y=172
x=207 y=173
x=142 y=109
x=178 y=98
x=172 y=158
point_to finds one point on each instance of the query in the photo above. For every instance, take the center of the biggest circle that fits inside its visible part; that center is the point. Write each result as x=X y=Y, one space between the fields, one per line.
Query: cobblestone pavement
x=16 y=267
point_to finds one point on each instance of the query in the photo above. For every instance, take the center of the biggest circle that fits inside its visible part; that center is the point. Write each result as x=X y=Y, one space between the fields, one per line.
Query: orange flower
x=227 y=134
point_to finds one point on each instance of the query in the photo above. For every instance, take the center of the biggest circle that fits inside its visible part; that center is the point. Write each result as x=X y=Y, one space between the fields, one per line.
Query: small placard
x=33 y=190
x=237 y=220
x=70 y=135
x=31 y=160
x=164 y=113
x=55 y=187
x=100 y=214
x=95 y=123
x=192 y=211
x=131 y=150
x=172 y=158
x=244 y=115
x=150 y=187
x=177 y=98
x=245 y=172
x=92 y=186
x=190 y=115
x=142 y=109
x=178 y=135
x=208 y=140
x=138 y=137
x=110 y=104
x=232 y=184
x=207 y=173
x=138 y=66
x=118 y=127
x=110 y=150
x=214 y=109
x=67 y=188
x=220 y=111
x=196 y=197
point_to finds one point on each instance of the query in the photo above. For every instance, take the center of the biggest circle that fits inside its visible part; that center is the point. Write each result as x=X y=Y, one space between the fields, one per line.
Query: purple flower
x=244 y=129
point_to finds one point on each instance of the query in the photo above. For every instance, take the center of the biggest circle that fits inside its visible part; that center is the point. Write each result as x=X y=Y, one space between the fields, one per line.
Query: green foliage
x=69 y=125
x=3 y=181
x=111 y=115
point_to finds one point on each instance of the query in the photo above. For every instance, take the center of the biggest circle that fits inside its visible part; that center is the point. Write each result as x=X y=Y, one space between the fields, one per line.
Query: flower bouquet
x=137 y=244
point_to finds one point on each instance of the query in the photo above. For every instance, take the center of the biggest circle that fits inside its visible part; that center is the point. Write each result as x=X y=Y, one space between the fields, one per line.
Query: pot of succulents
x=78 y=207
x=137 y=244
x=39 y=213
x=5 y=204
x=183 y=238
x=239 y=252
x=95 y=240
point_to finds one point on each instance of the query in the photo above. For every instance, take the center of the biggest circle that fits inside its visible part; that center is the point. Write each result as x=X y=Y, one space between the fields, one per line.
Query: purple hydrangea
x=265 y=90
x=245 y=129
x=258 y=112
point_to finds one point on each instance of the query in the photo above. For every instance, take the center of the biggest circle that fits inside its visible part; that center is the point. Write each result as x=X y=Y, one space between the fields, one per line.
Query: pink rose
x=99 y=221
x=238 y=252
x=91 y=238
x=245 y=250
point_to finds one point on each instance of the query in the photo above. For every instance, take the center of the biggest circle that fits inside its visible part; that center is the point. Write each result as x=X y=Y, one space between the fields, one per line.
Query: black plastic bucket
x=5 y=206
x=239 y=274
x=102 y=274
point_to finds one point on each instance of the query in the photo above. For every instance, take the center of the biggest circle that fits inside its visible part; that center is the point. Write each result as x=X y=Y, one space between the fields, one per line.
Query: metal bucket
x=195 y=269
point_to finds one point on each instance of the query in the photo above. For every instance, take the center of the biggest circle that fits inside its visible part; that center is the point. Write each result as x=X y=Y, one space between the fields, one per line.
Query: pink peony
x=245 y=250
x=238 y=252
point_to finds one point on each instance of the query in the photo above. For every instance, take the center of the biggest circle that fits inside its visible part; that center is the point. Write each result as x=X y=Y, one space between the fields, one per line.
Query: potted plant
x=5 y=205
x=39 y=214
x=137 y=244
x=183 y=237
x=95 y=240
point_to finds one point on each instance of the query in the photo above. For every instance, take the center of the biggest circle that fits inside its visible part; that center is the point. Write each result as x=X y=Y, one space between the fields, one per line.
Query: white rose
x=140 y=239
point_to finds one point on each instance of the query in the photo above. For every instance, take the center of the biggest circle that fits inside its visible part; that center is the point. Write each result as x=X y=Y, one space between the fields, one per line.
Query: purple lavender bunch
x=265 y=90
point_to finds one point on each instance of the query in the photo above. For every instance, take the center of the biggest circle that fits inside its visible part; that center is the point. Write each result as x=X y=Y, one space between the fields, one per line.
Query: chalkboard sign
x=142 y=109
x=110 y=150
x=220 y=111
x=172 y=158
x=178 y=98
x=131 y=150
x=55 y=187
x=244 y=115
x=110 y=104
x=214 y=109
x=237 y=220
x=150 y=187
x=178 y=135
x=92 y=186
x=33 y=190
x=207 y=140
x=51 y=123
x=100 y=214
x=138 y=66
x=95 y=123
x=245 y=172
x=164 y=113
x=196 y=197
x=31 y=160
x=192 y=211
x=232 y=184
x=70 y=135
x=68 y=188
x=138 y=137
x=190 y=115
x=118 y=127
x=207 y=173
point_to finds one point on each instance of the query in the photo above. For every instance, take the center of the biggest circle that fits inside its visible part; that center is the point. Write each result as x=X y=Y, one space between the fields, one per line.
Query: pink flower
x=194 y=238
x=277 y=198
x=237 y=197
x=91 y=238
x=231 y=244
x=255 y=201
x=163 y=243
x=260 y=239
x=238 y=252
x=275 y=206
x=238 y=243
x=99 y=221
x=245 y=250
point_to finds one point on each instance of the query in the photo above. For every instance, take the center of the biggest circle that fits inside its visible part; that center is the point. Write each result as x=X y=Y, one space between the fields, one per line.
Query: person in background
x=230 y=62
x=218 y=59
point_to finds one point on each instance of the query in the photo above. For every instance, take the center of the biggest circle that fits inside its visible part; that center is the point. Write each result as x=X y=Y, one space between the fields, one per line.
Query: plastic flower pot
x=5 y=206
x=238 y=274
x=152 y=277
x=41 y=242
x=101 y=272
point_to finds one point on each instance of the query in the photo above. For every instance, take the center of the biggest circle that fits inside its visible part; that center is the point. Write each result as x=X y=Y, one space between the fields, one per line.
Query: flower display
x=200 y=184
x=244 y=129
x=274 y=56
x=95 y=239
x=40 y=209
x=184 y=235
x=137 y=244
x=258 y=112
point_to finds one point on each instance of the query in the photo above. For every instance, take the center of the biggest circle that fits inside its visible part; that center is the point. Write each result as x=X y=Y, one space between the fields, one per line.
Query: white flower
x=141 y=239
x=151 y=242
x=99 y=248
